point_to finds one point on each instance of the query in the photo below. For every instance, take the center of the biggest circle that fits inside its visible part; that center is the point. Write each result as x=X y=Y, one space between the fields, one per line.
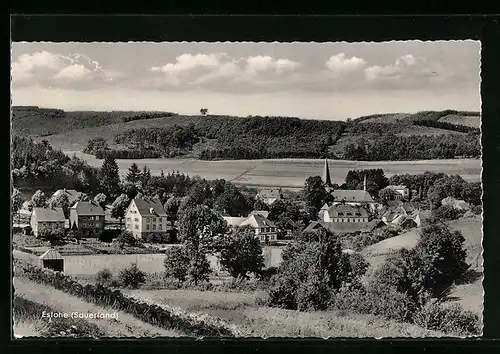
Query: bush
x=126 y=238
x=132 y=277
x=176 y=263
x=358 y=264
x=447 y=212
x=309 y=273
x=55 y=237
x=267 y=273
x=105 y=277
x=375 y=299
x=452 y=319
x=477 y=209
x=158 y=237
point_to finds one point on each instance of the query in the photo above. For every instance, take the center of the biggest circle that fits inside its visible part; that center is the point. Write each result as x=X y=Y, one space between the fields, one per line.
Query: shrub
x=451 y=319
x=267 y=273
x=55 y=237
x=309 y=273
x=199 y=268
x=104 y=277
x=126 y=238
x=358 y=264
x=158 y=237
x=176 y=263
x=477 y=209
x=447 y=212
x=375 y=299
x=132 y=276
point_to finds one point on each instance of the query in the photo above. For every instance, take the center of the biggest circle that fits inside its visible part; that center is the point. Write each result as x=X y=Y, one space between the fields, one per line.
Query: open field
x=124 y=326
x=241 y=310
x=471 y=119
x=89 y=265
x=290 y=173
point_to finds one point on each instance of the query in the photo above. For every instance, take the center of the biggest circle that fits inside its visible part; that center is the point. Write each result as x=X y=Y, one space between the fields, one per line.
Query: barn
x=53 y=260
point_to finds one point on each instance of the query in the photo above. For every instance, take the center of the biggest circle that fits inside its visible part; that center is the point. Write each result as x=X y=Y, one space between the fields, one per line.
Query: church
x=349 y=197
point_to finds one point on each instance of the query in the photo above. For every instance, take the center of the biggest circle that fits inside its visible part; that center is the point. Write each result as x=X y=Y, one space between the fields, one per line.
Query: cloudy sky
x=309 y=80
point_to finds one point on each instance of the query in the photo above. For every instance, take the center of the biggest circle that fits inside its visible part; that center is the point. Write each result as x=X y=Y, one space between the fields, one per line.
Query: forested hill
x=164 y=134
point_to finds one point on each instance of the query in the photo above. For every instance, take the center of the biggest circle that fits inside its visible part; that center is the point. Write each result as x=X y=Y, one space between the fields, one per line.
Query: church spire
x=364 y=183
x=326 y=175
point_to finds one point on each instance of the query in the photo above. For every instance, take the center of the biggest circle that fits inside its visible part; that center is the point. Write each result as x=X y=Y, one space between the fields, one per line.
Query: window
x=128 y=226
x=136 y=220
x=159 y=227
x=154 y=226
x=262 y=238
x=137 y=227
x=263 y=229
x=97 y=218
x=147 y=227
x=128 y=219
x=159 y=219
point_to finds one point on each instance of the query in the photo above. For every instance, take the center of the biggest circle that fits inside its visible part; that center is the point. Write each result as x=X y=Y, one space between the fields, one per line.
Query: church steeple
x=364 y=184
x=326 y=175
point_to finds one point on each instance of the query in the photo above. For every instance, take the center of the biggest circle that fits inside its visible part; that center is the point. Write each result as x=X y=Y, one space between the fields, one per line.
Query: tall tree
x=241 y=253
x=16 y=201
x=314 y=192
x=60 y=201
x=119 y=207
x=172 y=207
x=110 y=178
x=101 y=200
x=133 y=174
x=39 y=199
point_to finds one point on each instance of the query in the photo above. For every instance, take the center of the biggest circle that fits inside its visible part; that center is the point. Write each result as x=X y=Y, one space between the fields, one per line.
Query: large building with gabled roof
x=145 y=215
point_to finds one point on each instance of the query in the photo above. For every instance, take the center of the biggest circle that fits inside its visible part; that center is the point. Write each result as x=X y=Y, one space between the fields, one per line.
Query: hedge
x=162 y=316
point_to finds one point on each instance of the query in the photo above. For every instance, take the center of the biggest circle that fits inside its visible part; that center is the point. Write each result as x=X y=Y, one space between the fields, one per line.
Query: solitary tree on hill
x=204 y=111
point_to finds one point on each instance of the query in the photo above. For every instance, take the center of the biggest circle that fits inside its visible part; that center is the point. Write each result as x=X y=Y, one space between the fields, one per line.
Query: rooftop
x=49 y=214
x=88 y=208
x=352 y=195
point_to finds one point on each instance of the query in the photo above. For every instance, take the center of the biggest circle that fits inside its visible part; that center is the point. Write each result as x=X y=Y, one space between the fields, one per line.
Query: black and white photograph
x=246 y=189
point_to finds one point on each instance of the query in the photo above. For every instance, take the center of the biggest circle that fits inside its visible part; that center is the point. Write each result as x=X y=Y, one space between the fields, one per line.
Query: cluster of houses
x=352 y=211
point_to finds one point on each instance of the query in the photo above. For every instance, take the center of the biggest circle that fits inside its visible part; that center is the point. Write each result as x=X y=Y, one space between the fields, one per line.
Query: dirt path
x=124 y=326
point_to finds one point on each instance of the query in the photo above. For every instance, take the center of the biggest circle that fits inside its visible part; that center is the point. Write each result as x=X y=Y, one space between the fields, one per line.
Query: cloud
x=259 y=63
x=340 y=64
x=187 y=62
x=49 y=69
x=409 y=71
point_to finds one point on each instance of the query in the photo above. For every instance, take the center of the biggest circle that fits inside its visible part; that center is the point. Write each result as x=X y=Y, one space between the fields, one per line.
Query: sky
x=308 y=80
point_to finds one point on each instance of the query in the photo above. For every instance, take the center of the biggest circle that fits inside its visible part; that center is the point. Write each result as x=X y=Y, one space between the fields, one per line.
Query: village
x=347 y=212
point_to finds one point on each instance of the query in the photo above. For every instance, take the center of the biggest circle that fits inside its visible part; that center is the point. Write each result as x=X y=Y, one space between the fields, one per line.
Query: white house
x=401 y=192
x=265 y=230
x=145 y=216
x=269 y=196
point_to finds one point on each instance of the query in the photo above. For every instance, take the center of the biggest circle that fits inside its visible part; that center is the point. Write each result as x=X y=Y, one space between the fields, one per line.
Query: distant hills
x=214 y=137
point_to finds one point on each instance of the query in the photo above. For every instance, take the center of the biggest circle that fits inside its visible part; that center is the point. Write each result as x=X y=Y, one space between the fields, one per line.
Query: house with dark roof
x=265 y=230
x=264 y=213
x=88 y=218
x=71 y=193
x=145 y=215
x=345 y=213
x=47 y=219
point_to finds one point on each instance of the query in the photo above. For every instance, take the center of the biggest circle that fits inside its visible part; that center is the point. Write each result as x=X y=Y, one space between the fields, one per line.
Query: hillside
x=135 y=135
x=470 y=119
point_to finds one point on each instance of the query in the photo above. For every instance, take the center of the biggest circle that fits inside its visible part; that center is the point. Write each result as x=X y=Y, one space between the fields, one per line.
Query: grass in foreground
x=242 y=310
x=29 y=323
x=124 y=326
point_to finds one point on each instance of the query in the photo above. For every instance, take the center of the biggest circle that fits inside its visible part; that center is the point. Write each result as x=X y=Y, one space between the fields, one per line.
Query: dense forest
x=391 y=147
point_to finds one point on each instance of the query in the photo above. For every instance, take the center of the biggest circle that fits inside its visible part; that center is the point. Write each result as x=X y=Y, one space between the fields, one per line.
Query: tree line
x=390 y=147
x=446 y=125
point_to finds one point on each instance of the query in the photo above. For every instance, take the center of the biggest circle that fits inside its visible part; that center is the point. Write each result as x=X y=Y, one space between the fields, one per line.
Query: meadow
x=89 y=265
x=289 y=173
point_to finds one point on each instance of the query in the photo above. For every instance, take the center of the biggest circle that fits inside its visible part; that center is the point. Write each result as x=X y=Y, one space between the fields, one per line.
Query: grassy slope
x=469 y=291
x=124 y=326
x=241 y=310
